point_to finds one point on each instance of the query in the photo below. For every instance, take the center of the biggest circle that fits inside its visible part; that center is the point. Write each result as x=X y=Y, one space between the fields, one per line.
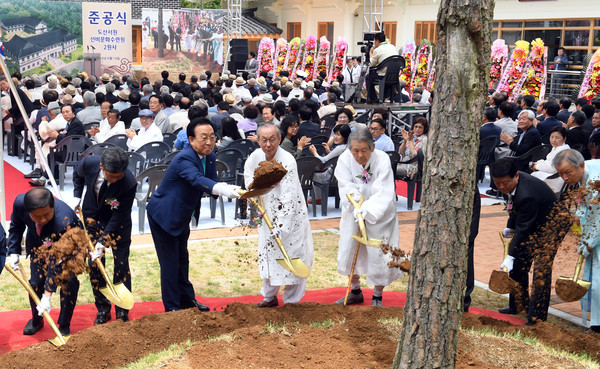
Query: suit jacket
x=545 y=126
x=531 y=205
x=2 y=248
x=563 y=115
x=14 y=110
x=20 y=220
x=130 y=114
x=489 y=130
x=578 y=136
x=115 y=222
x=308 y=129
x=531 y=139
x=74 y=127
x=181 y=189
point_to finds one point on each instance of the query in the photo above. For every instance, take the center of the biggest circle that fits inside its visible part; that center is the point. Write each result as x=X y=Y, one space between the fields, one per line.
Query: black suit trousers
x=68 y=295
x=173 y=257
x=122 y=273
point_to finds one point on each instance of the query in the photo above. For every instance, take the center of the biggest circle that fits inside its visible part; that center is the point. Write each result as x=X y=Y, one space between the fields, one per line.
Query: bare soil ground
x=305 y=335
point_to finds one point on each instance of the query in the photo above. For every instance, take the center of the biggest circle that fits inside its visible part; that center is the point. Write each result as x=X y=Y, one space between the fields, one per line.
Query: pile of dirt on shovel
x=305 y=335
x=268 y=174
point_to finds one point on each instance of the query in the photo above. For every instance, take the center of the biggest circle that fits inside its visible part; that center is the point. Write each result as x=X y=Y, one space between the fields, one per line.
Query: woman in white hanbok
x=362 y=170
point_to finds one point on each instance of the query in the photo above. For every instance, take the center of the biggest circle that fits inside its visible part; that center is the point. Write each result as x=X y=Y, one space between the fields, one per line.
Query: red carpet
x=14 y=184
x=12 y=338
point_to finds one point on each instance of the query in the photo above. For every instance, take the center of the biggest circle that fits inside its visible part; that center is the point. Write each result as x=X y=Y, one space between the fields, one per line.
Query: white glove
x=356 y=197
x=75 y=203
x=224 y=189
x=363 y=212
x=508 y=232
x=98 y=251
x=13 y=261
x=582 y=249
x=44 y=305
x=508 y=263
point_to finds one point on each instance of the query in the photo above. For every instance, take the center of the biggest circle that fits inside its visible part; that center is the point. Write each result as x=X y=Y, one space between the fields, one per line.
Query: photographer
x=379 y=52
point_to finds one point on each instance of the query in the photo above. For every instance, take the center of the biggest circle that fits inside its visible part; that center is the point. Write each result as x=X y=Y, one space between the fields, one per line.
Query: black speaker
x=234 y=66
x=239 y=48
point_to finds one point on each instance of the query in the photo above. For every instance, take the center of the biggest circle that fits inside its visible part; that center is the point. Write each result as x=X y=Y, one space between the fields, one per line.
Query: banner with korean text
x=107 y=31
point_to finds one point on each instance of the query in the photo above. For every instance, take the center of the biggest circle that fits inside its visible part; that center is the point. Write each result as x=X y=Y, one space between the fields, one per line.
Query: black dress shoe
x=65 y=331
x=268 y=304
x=31 y=328
x=353 y=298
x=40 y=182
x=102 y=318
x=36 y=173
x=123 y=316
x=493 y=193
x=200 y=306
x=530 y=323
x=507 y=310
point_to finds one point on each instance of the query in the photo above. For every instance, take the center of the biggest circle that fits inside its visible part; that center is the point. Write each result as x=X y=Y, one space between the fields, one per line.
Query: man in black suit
x=46 y=220
x=577 y=138
x=529 y=204
x=550 y=110
x=474 y=230
x=488 y=129
x=129 y=114
x=108 y=200
x=527 y=140
x=18 y=124
x=307 y=127
x=588 y=126
x=563 y=114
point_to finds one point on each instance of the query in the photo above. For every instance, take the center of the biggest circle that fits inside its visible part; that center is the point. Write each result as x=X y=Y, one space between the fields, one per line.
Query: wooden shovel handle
x=261 y=209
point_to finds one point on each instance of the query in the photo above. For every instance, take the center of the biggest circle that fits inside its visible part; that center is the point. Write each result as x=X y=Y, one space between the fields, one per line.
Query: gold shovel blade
x=121 y=296
x=373 y=242
x=296 y=267
x=569 y=290
x=56 y=341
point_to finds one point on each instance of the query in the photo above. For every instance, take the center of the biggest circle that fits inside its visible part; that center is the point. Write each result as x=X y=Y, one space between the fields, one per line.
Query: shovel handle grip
x=506 y=247
x=23 y=280
x=356 y=205
x=359 y=217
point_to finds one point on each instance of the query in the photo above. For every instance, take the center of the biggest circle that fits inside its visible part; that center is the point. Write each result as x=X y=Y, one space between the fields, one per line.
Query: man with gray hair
x=576 y=172
x=148 y=91
x=527 y=140
x=284 y=205
x=108 y=201
x=91 y=112
x=366 y=173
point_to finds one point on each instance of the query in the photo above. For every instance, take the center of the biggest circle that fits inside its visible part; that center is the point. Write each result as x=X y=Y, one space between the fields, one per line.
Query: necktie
x=38 y=228
x=102 y=190
x=350 y=73
x=521 y=138
x=203 y=160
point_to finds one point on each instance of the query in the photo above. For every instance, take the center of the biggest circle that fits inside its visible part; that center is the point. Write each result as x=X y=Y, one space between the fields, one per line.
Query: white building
x=23 y=24
x=573 y=24
x=31 y=52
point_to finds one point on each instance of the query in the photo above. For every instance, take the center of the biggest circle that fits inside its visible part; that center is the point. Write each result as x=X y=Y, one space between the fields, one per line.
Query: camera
x=367 y=42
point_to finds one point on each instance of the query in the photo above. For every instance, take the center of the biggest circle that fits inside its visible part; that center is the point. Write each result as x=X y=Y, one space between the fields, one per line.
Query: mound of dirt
x=267 y=175
x=305 y=335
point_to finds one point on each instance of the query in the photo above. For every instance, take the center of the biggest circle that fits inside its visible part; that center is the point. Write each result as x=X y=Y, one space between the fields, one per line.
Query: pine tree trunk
x=438 y=273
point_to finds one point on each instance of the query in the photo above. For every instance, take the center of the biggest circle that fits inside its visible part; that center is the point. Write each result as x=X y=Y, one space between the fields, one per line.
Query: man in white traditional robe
x=285 y=205
x=112 y=127
x=575 y=171
x=364 y=171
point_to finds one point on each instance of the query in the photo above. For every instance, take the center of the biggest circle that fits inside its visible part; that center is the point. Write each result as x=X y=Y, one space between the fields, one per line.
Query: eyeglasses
x=272 y=140
x=375 y=128
x=207 y=138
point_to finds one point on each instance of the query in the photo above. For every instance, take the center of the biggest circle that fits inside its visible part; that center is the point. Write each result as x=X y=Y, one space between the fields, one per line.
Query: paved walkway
x=488 y=249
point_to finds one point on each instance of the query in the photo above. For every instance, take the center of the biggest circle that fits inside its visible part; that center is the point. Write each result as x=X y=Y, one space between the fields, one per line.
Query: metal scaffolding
x=372 y=16
x=234 y=28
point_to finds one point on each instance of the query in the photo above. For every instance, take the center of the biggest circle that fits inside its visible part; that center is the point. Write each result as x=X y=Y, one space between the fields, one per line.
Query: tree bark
x=438 y=273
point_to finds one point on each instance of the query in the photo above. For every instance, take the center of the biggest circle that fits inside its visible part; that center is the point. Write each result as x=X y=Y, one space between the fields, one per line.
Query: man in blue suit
x=192 y=173
x=488 y=128
x=46 y=220
x=108 y=200
x=2 y=248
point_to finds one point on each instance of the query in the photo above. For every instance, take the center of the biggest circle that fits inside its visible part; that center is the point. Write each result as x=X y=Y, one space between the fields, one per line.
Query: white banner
x=107 y=31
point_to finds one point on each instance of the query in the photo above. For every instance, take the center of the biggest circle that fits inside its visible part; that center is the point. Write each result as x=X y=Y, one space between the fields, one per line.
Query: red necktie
x=38 y=228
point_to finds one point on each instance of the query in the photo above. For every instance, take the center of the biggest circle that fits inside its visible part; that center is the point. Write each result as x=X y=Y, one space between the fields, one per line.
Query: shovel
x=59 y=340
x=500 y=282
x=359 y=240
x=572 y=289
x=374 y=242
x=294 y=265
x=118 y=294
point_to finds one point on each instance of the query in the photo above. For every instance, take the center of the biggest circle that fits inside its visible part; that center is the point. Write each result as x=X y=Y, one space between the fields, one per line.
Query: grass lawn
x=77 y=54
x=46 y=67
x=220 y=268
